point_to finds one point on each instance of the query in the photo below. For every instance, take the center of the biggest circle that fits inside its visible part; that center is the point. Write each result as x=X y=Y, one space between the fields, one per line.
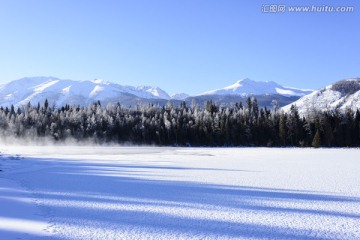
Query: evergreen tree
x=293 y=126
x=178 y=125
x=316 y=143
x=282 y=129
x=46 y=104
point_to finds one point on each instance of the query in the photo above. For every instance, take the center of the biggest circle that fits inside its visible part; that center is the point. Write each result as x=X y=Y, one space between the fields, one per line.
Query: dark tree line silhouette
x=181 y=125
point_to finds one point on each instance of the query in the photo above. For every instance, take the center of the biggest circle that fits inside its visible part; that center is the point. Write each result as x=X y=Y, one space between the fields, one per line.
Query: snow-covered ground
x=179 y=193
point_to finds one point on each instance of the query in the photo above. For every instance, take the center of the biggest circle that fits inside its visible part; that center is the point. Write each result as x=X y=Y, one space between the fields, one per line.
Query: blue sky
x=179 y=45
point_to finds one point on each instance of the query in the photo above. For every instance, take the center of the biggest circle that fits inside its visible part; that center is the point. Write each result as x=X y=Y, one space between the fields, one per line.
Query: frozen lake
x=179 y=193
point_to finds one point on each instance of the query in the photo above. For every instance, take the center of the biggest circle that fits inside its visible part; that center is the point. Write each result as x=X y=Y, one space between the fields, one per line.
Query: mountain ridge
x=62 y=91
x=248 y=86
x=65 y=91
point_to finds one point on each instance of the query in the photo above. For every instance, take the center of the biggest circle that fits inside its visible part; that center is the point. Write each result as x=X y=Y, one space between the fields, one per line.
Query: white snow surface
x=178 y=193
x=247 y=86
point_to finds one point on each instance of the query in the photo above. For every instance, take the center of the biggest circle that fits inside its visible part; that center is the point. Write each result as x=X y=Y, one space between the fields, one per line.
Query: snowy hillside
x=340 y=95
x=60 y=92
x=247 y=86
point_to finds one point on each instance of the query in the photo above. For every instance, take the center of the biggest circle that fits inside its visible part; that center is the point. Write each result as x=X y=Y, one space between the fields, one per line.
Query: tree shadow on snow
x=112 y=196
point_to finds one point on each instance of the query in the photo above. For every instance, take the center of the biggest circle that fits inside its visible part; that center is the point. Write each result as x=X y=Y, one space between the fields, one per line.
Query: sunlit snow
x=178 y=193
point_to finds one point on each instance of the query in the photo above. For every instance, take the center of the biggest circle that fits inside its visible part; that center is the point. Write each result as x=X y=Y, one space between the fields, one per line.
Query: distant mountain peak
x=100 y=81
x=155 y=91
x=244 y=80
x=180 y=96
x=248 y=86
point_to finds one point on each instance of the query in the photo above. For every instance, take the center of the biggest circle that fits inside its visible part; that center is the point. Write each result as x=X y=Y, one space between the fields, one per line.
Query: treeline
x=210 y=125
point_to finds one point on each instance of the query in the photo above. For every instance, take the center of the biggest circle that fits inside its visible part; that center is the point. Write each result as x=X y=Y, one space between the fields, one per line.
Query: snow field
x=179 y=193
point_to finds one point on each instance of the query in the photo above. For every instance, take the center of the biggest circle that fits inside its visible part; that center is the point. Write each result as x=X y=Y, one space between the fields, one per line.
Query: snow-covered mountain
x=247 y=87
x=180 y=96
x=340 y=95
x=155 y=92
x=60 y=92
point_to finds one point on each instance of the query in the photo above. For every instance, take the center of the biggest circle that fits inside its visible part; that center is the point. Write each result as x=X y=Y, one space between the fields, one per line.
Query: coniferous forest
x=209 y=125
